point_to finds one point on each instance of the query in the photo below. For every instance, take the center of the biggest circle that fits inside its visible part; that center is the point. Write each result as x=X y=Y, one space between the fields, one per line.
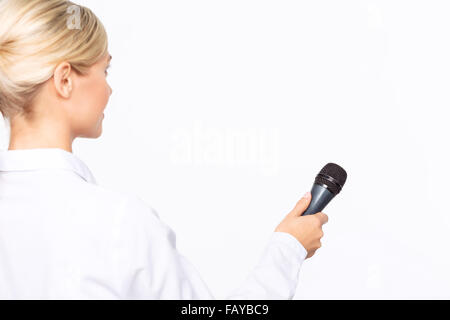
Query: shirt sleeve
x=157 y=270
x=276 y=275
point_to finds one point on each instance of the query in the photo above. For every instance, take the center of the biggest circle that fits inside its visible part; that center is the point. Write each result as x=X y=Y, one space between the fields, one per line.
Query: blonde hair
x=37 y=35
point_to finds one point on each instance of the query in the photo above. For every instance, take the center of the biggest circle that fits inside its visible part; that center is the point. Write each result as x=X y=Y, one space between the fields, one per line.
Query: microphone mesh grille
x=337 y=173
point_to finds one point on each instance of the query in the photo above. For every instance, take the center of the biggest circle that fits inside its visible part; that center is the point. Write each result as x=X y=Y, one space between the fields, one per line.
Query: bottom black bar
x=227 y=309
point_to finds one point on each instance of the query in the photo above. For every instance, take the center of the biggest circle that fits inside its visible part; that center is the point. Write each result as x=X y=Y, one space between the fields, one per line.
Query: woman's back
x=59 y=231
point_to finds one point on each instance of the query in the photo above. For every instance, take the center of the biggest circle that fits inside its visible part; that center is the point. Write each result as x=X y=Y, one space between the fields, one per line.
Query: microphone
x=327 y=185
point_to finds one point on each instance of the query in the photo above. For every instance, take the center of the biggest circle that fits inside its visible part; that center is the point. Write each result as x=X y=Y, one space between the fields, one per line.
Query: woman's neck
x=39 y=135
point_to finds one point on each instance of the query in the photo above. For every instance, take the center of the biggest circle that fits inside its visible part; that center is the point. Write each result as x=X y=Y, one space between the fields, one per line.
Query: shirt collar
x=51 y=158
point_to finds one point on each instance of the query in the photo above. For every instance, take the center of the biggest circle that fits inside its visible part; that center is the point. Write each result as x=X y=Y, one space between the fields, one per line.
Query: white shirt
x=62 y=236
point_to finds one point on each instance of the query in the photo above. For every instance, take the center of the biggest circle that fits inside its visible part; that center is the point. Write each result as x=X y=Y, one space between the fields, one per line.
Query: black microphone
x=327 y=185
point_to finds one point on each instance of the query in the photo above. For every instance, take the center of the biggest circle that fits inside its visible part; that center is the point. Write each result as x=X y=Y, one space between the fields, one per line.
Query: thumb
x=302 y=204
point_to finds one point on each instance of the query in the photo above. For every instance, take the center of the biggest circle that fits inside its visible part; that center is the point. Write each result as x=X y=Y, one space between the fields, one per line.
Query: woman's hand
x=306 y=229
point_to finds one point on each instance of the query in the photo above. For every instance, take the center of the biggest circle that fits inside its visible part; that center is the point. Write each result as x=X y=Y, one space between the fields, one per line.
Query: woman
x=62 y=236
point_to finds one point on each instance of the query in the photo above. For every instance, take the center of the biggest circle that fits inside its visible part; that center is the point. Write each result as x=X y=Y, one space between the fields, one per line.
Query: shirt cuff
x=290 y=241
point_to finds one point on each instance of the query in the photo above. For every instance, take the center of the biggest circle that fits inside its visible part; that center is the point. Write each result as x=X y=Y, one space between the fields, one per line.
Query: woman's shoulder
x=94 y=197
x=137 y=215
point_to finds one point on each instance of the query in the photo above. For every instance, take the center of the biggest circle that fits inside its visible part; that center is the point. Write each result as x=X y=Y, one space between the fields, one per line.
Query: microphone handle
x=320 y=197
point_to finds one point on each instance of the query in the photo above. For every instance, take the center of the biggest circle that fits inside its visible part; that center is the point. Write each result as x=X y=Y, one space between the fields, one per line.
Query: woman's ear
x=62 y=79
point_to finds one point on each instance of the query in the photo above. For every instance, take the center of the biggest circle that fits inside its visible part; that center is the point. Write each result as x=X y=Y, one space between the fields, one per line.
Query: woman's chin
x=94 y=134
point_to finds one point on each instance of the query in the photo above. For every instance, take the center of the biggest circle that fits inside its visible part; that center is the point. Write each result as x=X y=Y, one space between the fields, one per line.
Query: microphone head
x=333 y=177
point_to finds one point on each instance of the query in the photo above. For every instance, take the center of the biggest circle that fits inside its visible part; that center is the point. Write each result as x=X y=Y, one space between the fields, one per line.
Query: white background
x=364 y=84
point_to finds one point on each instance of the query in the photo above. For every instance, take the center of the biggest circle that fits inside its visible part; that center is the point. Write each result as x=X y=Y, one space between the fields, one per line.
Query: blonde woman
x=62 y=236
